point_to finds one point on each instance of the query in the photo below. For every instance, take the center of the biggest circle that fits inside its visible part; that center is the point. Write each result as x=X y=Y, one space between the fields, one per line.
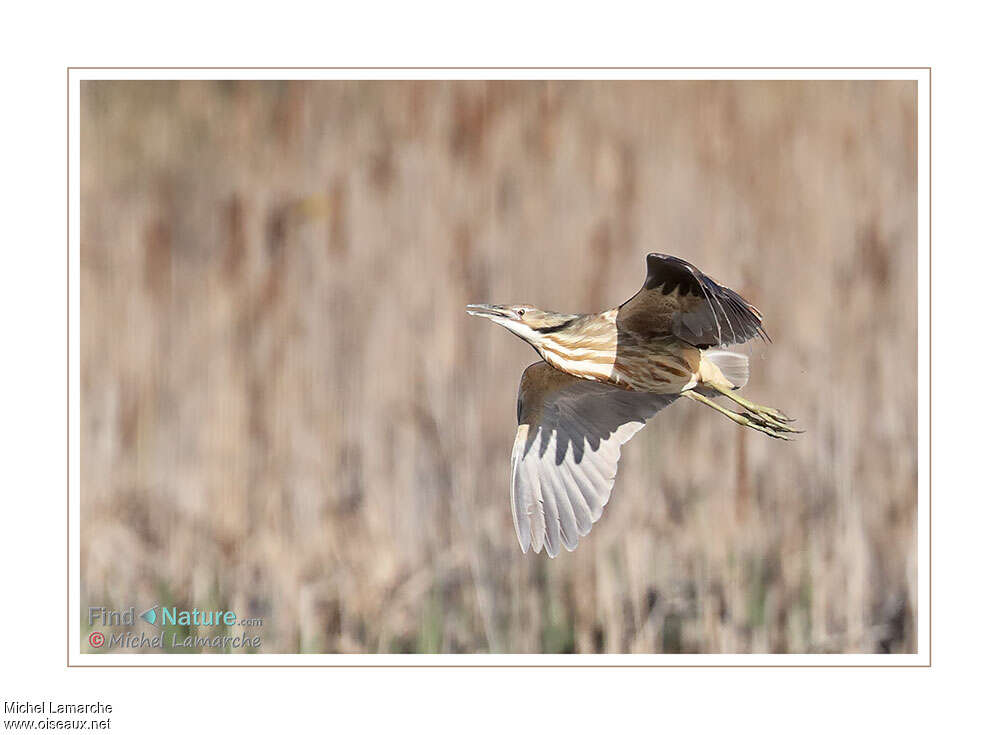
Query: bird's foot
x=767 y=419
x=751 y=420
x=772 y=424
x=770 y=416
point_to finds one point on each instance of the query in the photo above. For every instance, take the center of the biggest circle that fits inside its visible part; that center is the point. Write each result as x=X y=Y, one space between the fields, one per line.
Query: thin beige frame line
x=929 y=184
x=495 y=666
x=68 y=377
x=500 y=68
x=929 y=337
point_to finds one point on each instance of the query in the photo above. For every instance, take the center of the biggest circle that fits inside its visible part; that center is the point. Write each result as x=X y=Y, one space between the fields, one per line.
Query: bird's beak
x=490 y=311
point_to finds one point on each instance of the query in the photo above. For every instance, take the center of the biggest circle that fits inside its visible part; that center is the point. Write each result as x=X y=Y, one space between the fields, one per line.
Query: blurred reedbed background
x=286 y=411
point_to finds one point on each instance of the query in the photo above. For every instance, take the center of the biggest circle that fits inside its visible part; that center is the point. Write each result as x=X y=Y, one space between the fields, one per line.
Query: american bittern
x=604 y=375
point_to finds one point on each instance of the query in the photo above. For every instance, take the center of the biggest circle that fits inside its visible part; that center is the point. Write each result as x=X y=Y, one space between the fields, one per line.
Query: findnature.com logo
x=170 y=619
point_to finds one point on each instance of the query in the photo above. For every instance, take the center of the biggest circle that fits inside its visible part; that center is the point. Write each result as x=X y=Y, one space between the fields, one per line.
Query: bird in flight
x=602 y=376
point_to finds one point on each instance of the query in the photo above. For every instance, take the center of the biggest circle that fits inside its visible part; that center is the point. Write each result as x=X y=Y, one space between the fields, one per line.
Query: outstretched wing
x=678 y=300
x=566 y=452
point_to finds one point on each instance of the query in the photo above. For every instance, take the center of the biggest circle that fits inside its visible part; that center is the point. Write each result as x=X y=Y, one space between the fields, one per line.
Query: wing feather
x=550 y=511
x=679 y=300
x=566 y=453
x=525 y=496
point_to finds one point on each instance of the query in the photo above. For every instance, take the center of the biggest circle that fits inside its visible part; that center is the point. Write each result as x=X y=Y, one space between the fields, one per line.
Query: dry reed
x=287 y=412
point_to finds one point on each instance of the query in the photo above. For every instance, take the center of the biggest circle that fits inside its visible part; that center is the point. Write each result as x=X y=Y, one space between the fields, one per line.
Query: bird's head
x=527 y=322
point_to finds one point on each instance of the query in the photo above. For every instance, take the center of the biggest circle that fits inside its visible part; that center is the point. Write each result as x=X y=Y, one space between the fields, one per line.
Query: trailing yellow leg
x=755 y=408
x=752 y=420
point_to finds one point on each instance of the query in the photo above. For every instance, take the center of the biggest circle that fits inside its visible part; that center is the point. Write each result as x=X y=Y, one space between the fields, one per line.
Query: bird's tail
x=734 y=366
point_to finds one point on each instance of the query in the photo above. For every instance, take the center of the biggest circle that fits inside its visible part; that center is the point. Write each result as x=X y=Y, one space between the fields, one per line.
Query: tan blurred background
x=287 y=412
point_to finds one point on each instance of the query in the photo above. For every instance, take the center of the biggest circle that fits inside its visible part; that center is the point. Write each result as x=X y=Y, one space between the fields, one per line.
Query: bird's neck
x=585 y=346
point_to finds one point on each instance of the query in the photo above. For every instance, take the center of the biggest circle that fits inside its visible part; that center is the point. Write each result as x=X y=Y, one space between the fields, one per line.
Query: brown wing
x=566 y=452
x=678 y=300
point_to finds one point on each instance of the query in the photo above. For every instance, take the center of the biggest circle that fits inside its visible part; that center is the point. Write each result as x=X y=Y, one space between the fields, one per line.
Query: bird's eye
x=521 y=312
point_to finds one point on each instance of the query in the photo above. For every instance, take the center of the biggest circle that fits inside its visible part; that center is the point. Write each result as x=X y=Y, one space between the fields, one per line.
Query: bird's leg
x=752 y=421
x=771 y=415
